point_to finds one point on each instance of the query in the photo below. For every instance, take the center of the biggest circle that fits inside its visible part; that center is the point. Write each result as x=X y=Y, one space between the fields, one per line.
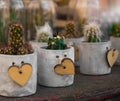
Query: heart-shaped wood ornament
x=65 y=68
x=20 y=75
x=112 y=56
x=76 y=52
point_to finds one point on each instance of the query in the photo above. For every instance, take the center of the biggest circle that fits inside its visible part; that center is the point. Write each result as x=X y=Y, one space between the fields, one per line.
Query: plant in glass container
x=114 y=30
x=57 y=68
x=93 y=52
x=18 y=64
x=4 y=18
x=43 y=30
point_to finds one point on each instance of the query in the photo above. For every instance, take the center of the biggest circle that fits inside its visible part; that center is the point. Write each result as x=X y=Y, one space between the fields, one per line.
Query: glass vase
x=4 y=17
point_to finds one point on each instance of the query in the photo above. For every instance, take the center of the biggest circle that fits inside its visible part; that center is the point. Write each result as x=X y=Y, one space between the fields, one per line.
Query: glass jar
x=4 y=17
x=35 y=18
x=48 y=8
x=18 y=13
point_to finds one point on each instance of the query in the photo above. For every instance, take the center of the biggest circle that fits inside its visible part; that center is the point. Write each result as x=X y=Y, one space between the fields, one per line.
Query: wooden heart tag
x=65 y=68
x=76 y=52
x=20 y=75
x=112 y=56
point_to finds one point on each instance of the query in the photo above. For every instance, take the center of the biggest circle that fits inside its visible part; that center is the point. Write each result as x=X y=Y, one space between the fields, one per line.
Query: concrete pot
x=115 y=43
x=7 y=86
x=36 y=45
x=46 y=63
x=93 y=58
x=75 y=42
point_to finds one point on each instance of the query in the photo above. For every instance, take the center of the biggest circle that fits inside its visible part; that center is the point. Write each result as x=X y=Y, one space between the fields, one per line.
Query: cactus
x=43 y=37
x=70 y=31
x=114 y=29
x=16 y=44
x=56 y=43
x=92 y=33
x=62 y=2
x=15 y=35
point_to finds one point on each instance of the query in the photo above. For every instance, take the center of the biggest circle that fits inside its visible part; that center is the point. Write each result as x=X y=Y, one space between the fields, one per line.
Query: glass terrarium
x=34 y=16
x=48 y=8
x=18 y=12
x=4 y=17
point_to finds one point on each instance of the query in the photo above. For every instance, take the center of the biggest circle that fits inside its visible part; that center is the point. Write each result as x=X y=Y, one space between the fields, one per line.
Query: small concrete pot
x=47 y=61
x=7 y=86
x=93 y=58
x=115 y=43
x=75 y=42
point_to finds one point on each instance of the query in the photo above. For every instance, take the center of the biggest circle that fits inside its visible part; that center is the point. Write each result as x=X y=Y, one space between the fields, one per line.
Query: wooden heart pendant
x=76 y=53
x=65 y=68
x=112 y=56
x=20 y=75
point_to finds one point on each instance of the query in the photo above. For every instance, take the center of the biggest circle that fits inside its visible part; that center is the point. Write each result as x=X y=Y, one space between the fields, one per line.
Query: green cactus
x=92 y=33
x=15 y=35
x=114 y=29
x=56 y=43
x=43 y=37
x=8 y=50
x=70 y=31
x=22 y=51
x=16 y=44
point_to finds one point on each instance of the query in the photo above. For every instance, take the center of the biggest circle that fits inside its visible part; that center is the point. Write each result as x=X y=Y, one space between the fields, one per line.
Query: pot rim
x=115 y=37
x=5 y=55
x=75 y=38
x=43 y=48
x=96 y=43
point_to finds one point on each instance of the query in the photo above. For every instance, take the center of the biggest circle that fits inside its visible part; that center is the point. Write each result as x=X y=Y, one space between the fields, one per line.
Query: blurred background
x=57 y=13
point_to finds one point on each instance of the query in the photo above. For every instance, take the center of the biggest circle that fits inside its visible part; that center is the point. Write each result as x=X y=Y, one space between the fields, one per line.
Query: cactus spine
x=56 y=43
x=16 y=44
x=92 y=33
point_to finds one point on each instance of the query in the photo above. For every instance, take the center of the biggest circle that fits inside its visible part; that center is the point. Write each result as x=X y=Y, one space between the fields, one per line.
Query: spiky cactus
x=43 y=37
x=56 y=43
x=15 y=35
x=92 y=33
x=16 y=44
x=70 y=31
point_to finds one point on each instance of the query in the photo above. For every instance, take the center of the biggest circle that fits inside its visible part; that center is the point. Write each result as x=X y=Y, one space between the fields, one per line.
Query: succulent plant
x=114 y=29
x=70 y=31
x=56 y=43
x=16 y=44
x=92 y=32
x=43 y=37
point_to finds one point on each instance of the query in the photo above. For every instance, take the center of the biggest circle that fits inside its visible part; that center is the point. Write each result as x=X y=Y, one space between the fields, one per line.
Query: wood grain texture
x=76 y=52
x=65 y=68
x=112 y=56
x=20 y=75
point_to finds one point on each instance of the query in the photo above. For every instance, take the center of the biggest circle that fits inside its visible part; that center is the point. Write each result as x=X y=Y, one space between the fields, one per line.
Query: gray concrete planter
x=93 y=58
x=115 y=43
x=46 y=63
x=36 y=45
x=76 y=42
x=10 y=88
